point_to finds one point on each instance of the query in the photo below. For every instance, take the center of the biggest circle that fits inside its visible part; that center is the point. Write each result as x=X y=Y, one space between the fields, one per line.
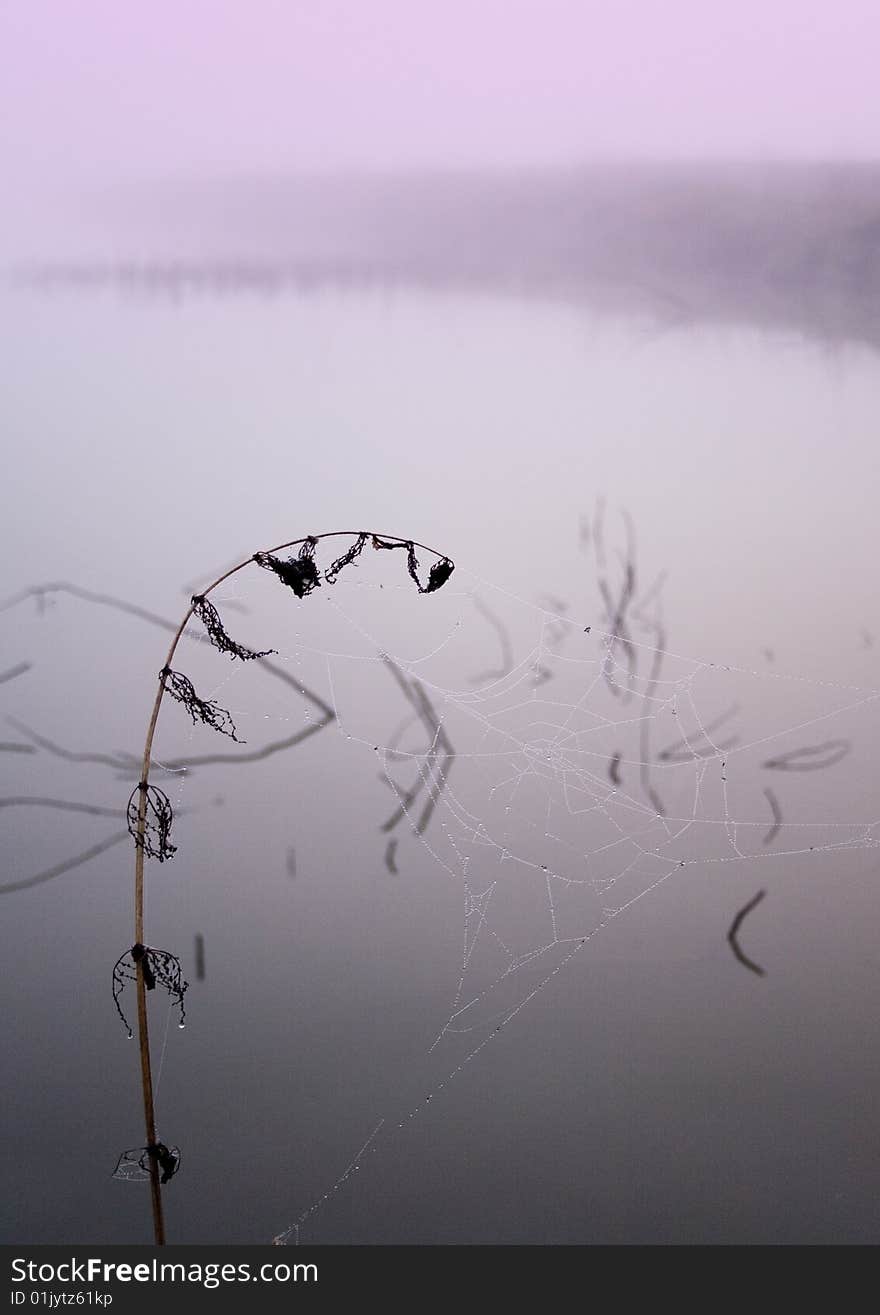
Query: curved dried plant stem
x=149 y=1108
x=337 y=534
x=140 y=850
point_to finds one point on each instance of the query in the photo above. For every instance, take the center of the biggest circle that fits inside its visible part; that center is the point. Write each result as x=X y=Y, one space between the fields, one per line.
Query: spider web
x=557 y=769
x=545 y=766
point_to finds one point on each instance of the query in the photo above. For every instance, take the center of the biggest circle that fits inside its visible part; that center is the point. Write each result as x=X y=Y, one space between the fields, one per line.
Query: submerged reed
x=150 y=815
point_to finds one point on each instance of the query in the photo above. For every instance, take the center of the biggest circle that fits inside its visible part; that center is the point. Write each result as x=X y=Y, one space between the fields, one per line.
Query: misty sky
x=114 y=88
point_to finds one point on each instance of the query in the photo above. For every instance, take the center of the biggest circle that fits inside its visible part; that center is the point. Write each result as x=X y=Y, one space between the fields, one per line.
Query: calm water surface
x=654 y=1089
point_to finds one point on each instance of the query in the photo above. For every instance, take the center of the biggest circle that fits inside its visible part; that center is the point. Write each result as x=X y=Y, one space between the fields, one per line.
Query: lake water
x=653 y=1089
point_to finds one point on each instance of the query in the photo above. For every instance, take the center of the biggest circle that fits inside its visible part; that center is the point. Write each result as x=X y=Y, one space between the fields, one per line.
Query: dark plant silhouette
x=346 y=558
x=208 y=712
x=41 y=592
x=149 y=810
x=438 y=574
x=150 y=816
x=135 y=1163
x=210 y=619
x=299 y=573
x=159 y=968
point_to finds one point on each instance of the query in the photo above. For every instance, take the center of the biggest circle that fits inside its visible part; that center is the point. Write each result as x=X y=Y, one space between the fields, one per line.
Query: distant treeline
x=788 y=246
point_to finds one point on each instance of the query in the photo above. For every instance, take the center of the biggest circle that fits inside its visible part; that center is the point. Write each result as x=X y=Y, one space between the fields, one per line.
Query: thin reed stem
x=140 y=831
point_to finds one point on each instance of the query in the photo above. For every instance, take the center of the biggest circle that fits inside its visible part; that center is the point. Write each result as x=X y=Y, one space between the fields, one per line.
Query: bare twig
x=439 y=756
x=734 y=930
x=688 y=750
x=503 y=638
x=60 y=868
x=777 y=816
x=812 y=758
x=12 y=672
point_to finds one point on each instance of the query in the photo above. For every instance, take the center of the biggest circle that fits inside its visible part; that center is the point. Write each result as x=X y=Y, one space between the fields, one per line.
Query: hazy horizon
x=93 y=92
x=790 y=247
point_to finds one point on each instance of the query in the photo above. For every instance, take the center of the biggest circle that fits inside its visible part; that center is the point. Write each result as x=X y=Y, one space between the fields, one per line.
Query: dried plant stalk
x=149 y=809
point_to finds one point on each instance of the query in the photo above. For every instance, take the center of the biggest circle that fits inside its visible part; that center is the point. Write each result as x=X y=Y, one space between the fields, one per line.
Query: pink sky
x=98 y=88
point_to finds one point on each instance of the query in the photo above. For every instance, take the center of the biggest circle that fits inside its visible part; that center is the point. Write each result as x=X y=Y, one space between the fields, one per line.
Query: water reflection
x=733 y=933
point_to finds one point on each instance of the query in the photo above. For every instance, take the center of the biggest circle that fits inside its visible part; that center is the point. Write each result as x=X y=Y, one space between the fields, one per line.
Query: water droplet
x=181 y=1026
